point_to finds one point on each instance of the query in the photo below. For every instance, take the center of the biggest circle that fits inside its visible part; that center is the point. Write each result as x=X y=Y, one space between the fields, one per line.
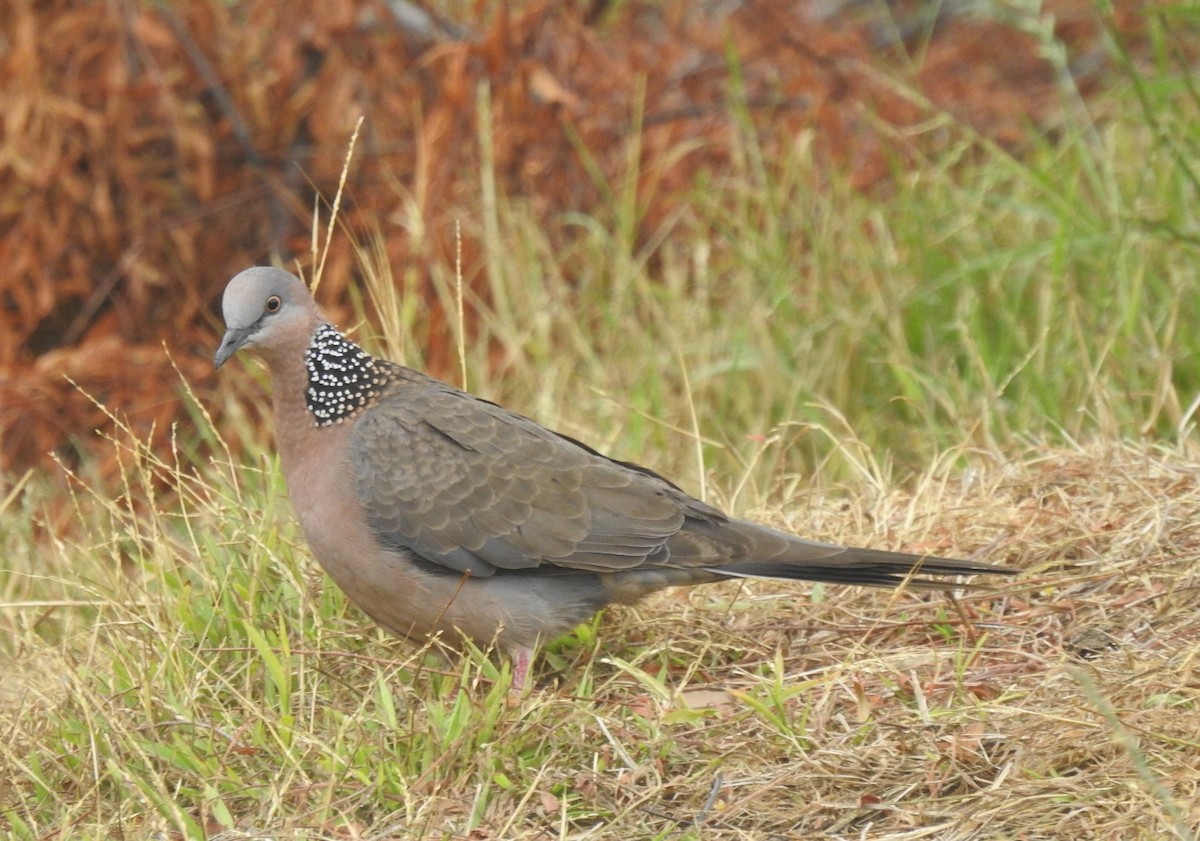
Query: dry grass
x=213 y=689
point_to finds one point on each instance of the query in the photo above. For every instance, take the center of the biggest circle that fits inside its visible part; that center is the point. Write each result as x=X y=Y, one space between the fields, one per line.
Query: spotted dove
x=437 y=511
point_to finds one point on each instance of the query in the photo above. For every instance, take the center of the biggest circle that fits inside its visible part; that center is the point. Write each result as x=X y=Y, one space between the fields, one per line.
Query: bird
x=440 y=513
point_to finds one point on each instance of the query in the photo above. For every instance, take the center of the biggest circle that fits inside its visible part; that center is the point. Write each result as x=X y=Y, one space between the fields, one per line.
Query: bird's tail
x=870 y=567
x=707 y=551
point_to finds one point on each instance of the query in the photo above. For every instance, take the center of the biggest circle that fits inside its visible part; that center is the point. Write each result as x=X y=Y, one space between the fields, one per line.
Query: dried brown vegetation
x=151 y=150
x=1062 y=706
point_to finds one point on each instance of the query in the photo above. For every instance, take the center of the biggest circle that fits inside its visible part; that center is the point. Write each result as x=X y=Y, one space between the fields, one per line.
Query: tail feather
x=870 y=567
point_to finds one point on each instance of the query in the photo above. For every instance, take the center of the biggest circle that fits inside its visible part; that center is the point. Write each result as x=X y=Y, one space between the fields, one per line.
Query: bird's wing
x=468 y=485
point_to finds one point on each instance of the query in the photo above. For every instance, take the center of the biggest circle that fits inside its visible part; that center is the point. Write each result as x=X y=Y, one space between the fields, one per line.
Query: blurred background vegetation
x=906 y=219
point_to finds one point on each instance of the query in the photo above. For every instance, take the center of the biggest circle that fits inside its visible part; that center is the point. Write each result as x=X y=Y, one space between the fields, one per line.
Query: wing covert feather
x=474 y=487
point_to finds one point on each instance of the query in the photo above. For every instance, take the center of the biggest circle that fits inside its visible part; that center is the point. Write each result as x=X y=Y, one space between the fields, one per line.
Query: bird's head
x=264 y=308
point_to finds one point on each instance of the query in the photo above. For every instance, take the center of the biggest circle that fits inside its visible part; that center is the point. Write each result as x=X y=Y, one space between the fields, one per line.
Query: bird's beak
x=232 y=343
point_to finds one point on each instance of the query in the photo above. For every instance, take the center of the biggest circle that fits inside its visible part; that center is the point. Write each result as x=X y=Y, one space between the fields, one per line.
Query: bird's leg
x=521 y=659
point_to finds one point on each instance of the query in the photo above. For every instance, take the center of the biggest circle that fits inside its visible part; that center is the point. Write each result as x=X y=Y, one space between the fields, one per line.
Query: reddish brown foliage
x=149 y=151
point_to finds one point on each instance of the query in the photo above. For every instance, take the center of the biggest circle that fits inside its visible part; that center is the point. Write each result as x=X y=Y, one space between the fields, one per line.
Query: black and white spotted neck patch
x=343 y=379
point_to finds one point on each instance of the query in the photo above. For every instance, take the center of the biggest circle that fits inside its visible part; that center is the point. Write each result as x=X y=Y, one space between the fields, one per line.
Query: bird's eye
x=273 y=304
